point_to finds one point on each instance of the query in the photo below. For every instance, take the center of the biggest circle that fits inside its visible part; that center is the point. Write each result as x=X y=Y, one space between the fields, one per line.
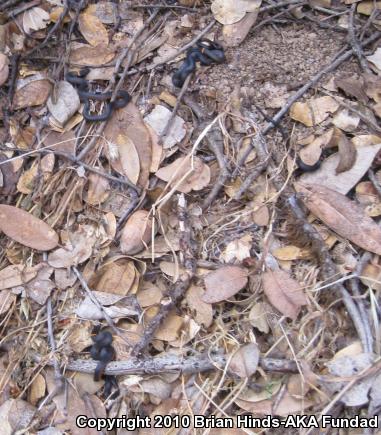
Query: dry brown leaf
x=245 y=360
x=136 y=233
x=234 y=34
x=78 y=249
x=98 y=189
x=35 y=19
x=15 y=415
x=224 y=283
x=347 y=154
x=353 y=87
x=37 y=389
x=366 y=7
x=283 y=292
x=375 y=58
x=170 y=329
x=93 y=30
x=115 y=277
x=238 y=249
x=342 y=215
x=15 y=275
x=198 y=178
x=4 y=68
x=291 y=252
x=26 y=229
x=313 y=111
x=27 y=180
x=127 y=163
x=33 y=93
x=148 y=294
x=204 y=311
x=7 y=299
x=92 y=56
x=63 y=142
x=287 y=405
x=128 y=122
x=258 y=318
x=371 y=276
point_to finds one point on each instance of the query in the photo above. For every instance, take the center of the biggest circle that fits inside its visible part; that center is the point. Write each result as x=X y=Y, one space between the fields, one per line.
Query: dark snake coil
x=78 y=80
x=206 y=52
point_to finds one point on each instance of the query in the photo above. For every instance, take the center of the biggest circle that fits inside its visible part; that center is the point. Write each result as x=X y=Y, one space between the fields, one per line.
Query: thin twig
x=356 y=47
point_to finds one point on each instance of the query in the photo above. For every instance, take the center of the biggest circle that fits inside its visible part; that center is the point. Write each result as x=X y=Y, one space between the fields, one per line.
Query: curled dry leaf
x=244 y=362
x=77 y=250
x=258 y=318
x=313 y=111
x=35 y=19
x=283 y=292
x=193 y=173
x=347 y=153
x=37 y=389
x=26 y=229
x=224 y=283
x=342 y=215
x=136 y=233
x=4 y=68
x=65 y=104
x=92 y=29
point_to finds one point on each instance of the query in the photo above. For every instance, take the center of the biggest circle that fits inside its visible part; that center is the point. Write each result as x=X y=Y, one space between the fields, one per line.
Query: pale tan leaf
x=4 y=68
x=313 y=111
x=343 y=182
x=244 y=362
x=27 y=180
x=37 y=389
x=235 y=33
x=92 y=56
x=35 y=19
x=136 y=233
x=185 y=175
x=228 y=11
x=224 y=283
x=375 y=58
x=26 y=229
x=65 y=104
x=127 y=162
x=15 y=275
x=159 y=118
x=258 y=318
x=283 y=292
x=85 y=384
x=238 y=249
x=170 y=329
x=342 y=215
x=7 y=299
x=92 y=29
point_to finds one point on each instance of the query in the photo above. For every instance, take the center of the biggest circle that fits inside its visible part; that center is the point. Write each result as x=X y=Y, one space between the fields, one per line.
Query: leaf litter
x=227 y=234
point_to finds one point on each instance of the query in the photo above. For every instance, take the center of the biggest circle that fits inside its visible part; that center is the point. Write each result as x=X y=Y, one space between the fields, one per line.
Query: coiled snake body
x=121 y=100
x=206 y=52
